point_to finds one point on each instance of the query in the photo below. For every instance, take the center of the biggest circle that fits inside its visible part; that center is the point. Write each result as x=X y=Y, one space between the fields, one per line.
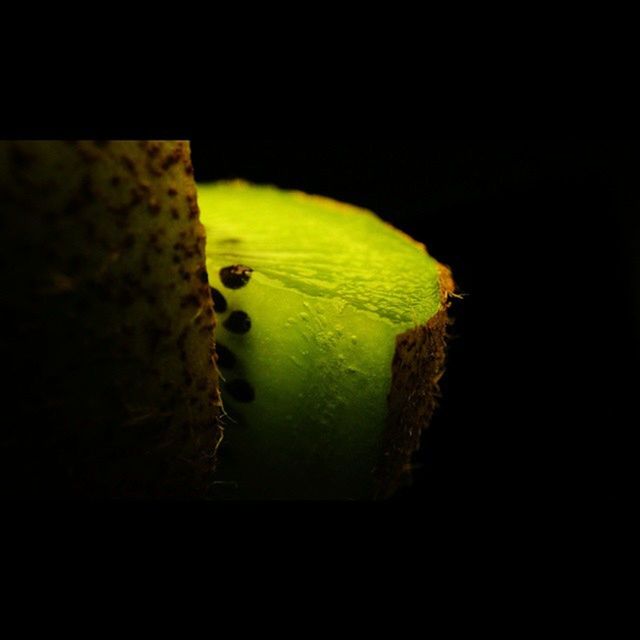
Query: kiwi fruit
x=111 y=387
x=331 y=329
x=330 y=341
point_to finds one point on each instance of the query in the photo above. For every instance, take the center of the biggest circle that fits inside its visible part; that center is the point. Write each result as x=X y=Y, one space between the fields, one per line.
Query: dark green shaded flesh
x=107 y=322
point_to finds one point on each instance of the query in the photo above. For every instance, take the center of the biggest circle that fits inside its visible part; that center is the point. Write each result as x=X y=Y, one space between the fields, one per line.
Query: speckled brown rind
x=107 y=333
x=418 y=365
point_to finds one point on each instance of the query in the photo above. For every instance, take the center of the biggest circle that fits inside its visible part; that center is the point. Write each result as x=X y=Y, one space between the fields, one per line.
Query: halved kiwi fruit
x=330 y=343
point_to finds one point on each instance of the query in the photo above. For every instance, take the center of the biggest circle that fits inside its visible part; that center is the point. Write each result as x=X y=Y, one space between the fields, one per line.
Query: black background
x=542 y=237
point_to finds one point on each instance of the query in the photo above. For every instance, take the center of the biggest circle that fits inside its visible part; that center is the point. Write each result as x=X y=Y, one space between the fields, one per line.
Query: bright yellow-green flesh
x=331 y=288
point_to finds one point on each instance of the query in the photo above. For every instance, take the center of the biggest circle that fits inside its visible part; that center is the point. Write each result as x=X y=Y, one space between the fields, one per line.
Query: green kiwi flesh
x=330 y=337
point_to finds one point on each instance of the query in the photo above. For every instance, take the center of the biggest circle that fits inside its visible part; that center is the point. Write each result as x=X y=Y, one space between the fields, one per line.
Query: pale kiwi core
x=305 y=387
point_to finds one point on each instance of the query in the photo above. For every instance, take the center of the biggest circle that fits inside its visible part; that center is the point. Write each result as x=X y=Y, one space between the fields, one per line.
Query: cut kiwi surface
x=330 y=341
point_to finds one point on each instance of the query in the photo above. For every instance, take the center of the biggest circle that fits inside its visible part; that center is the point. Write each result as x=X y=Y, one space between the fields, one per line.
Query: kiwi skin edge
x=108 y=322
x=418 y=366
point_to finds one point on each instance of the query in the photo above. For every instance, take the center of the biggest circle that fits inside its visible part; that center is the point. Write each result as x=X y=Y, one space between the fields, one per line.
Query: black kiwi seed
x=219 y=301
x=235 y=276
x=240 y=390
x=237 y=322
x=226 y=359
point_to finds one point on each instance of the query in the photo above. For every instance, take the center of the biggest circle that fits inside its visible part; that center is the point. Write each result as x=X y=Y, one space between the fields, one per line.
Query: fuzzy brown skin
x=418 y=365
x=108 y=322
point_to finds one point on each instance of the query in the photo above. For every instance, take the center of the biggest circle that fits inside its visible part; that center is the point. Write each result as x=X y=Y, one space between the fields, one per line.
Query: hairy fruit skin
x=108 y=322
x=418 y=365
